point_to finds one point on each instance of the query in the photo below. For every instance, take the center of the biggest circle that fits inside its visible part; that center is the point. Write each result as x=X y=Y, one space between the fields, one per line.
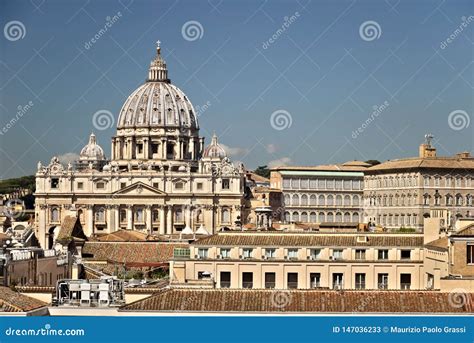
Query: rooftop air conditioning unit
x=338 y=287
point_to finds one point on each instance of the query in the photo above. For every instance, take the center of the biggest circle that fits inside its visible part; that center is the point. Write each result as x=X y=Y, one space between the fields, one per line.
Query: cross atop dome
x=158 y=71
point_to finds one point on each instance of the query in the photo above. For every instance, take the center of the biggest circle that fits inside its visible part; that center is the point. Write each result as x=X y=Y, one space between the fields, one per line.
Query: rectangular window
x=360 y=254
x=337 y=254
x=178 y=185
x=202 y=253
x=123 y=185
x=360 y=280
x=292 y=280
x=405 y=254
x=247 y=280
x=383 y=254
x=225 y=279
x=270 y=253
x=225 y=253
x=470 y=254
x=270 y=279
x=292 y=254
x=382 y=280
x=55 y=183
x=315 y=254
x=405 y=281
x=247 y=252
x=140 y=148
x=225 y=184
x=315 y=280
x=430 y=281
x=80 y=185
x=286 y=183
x=156 y=184
x=154 y=148
x=199 y=186
x=100 y=185
x=337 y=280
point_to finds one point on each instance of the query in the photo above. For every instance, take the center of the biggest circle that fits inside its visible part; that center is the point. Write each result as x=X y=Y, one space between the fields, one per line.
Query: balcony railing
x=247 y=284
x=383 y=285
x=269 y=284
x=225 y=284
x=315 y=284
x=405 y=286
x=181 y=253
x=292 y=284
x=360 y=285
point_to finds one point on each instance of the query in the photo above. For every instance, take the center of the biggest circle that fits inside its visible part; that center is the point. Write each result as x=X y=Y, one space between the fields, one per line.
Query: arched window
x=295 y=200
x=287 y=199
x=304 y=217
x=330 y=200
x=355 y=217
x=312 y=200
x=139 y=215
x=178 y=215
x=338 y=217
x=55 y=214
x=321 y=200
x=355 y=200
x=295 y=217
x=304 y=200
x=338 y=200
x=321 y=217
x=313 y=217
x=347 y=200
x=287 y=217
x=347 y=217
x=469 y=200
x=199 y=216
x=330 y=217
x=225 y=215
x=100 y=214
x=449 y=200
x=458 y=200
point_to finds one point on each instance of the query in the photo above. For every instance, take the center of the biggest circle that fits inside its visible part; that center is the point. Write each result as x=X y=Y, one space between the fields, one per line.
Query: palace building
x=402 y=192
x=161 y=179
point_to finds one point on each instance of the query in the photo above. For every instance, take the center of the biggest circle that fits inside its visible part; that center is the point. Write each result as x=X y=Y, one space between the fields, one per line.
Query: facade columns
x=162 y=220
x=90 y=221
x=146 y=148
x=163 y=149
x=149 y=224
x=187 y=217
x=169 y=220
x=129 y=217
x=116 y=218
x=110 y=218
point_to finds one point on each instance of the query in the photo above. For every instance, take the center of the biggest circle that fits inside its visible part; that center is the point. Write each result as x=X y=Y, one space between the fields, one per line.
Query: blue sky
x=321 y=73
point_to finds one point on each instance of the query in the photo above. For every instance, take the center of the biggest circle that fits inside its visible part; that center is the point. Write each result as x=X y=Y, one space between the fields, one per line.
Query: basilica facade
x=161 y=179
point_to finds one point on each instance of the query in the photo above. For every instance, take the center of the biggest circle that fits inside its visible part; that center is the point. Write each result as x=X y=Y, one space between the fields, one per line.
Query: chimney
x=426 y=149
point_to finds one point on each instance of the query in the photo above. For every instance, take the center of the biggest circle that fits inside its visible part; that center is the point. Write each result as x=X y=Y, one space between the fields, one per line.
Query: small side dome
x=92 y=151
x=214 y=150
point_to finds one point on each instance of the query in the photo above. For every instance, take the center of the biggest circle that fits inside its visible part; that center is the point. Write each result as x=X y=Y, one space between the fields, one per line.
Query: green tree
x=262 y=171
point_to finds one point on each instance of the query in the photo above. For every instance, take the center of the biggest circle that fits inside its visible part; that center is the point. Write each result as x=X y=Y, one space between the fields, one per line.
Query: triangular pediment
x=139 y=189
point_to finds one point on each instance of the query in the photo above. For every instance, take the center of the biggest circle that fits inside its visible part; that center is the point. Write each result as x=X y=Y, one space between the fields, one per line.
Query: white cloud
x=284 y=161
x=68 y=157
x=234 y=151
x=271 y=148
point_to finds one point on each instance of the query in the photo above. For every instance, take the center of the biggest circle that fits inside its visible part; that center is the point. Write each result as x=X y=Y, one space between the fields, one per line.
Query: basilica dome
x=157 y=103
x=92 y=151
x=214 y=150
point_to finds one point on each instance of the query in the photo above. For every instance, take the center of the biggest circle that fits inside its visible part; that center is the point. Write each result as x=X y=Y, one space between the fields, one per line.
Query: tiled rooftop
x=302 y=301
x=272 y=239
x=11 y=301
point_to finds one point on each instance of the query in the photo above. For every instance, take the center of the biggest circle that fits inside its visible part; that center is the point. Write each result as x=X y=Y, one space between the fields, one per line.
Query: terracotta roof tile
x=142 y=252
x=309 y=239
x=424 y=163
x=11 y=301
x=438 y=244
x=313 y=301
